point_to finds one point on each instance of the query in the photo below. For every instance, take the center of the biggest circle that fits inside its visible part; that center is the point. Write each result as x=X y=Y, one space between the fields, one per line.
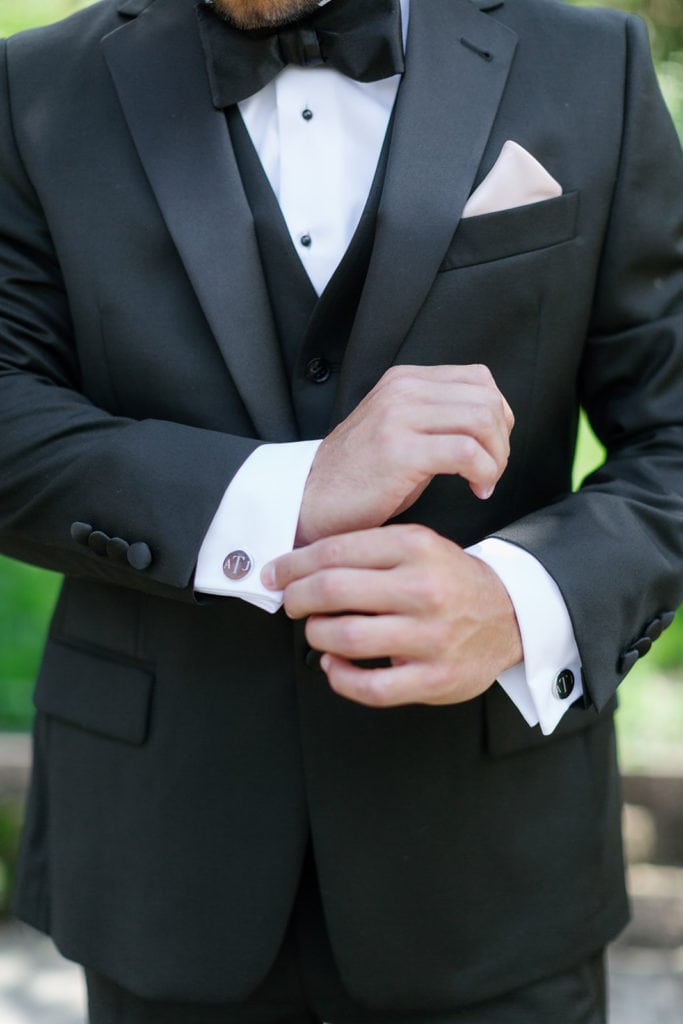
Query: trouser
x=304 y=987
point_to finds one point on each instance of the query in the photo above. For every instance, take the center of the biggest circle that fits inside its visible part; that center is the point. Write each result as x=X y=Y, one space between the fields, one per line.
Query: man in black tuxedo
x=387 y=225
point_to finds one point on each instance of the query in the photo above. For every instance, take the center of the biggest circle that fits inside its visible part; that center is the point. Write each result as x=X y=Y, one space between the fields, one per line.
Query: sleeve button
x=627 y=661
x=139 y=555
x=80 y=532
x=643 y=645
x=117 y=549
x=97 y=542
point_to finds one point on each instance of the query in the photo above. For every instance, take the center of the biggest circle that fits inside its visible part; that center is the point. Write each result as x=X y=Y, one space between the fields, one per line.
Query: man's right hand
x=417 y=422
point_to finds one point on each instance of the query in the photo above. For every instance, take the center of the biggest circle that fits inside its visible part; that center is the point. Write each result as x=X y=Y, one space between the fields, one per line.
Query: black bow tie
x=361 y=38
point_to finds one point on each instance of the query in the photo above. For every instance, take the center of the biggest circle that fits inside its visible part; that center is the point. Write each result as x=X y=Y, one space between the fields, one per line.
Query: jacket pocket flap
x=495 y=236
x=94 y=691
x=508 y=733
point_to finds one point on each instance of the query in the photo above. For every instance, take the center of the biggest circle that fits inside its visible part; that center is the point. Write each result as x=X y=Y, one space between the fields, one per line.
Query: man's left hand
x=402 y=592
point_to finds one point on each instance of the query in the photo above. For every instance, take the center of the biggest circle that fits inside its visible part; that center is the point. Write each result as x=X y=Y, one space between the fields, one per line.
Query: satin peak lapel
x=457 y=64
x=159 y=72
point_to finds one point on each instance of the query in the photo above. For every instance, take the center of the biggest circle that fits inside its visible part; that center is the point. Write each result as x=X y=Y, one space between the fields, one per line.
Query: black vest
x=313 y=332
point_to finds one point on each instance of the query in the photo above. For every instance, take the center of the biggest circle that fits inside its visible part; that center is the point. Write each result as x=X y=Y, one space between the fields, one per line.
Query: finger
x=448 y=406
x=473 y=416
x=467 y=373
x=470 y=423
x=331 y=591
x=440 y=381
x=368 y=636
x=457 y=455
x=412 y=566
x=408 y=683
x=377 y=548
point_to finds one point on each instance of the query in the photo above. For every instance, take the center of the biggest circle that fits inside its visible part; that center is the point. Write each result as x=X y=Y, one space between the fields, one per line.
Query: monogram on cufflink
x=564 y=684
x=237 y=565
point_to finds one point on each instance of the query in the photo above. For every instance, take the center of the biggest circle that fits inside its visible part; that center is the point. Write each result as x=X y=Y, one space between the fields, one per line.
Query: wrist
x=506 y=639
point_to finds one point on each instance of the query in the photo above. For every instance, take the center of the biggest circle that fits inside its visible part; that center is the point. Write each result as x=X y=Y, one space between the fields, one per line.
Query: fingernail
x=268 y=576
x=486 y=493
x=325 y=662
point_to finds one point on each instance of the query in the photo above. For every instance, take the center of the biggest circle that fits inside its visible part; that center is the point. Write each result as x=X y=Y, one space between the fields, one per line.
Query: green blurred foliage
x=19 y=14
x=664 y=19
x=10 y=825
x=651 y=719
x=27 y=596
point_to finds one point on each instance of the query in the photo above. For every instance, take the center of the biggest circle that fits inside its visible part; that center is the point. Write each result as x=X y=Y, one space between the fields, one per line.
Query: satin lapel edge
x=429 y=175
x=158 y=69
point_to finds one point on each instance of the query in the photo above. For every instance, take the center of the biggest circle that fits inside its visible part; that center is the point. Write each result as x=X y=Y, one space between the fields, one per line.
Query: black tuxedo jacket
x=185 y=750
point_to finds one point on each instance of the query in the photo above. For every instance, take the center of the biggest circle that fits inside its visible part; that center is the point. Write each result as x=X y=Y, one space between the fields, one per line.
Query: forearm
x=62 y=460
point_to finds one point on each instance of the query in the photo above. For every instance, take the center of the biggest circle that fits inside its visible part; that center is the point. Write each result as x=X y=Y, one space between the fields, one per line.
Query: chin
x=256 y=14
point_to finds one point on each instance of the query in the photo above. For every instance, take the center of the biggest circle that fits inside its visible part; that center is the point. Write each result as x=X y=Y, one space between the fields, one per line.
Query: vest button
x=318 y=370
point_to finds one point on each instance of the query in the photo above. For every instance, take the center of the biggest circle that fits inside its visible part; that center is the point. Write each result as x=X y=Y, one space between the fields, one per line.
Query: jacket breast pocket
x=523 y=229
x=95 y=691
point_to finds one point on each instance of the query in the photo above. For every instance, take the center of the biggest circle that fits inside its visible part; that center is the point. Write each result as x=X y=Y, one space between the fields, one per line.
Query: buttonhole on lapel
x=484 y=54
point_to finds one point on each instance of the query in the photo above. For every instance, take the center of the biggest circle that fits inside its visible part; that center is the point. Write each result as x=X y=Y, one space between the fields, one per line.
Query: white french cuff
x=548 y=681
x=255 y=522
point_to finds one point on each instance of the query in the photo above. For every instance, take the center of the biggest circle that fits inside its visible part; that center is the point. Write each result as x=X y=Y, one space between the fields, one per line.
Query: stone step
x=659 y=800
x=656 y=895
x=15 y=764
x=645 y=985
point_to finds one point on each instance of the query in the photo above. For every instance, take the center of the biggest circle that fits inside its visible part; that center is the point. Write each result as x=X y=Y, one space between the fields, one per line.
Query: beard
x=256 y=14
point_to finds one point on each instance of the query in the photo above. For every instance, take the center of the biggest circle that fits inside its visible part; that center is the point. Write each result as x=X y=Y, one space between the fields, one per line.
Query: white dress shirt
x=319 y=135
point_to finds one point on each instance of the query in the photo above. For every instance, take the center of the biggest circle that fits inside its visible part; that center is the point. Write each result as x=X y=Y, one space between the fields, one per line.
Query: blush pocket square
x=516 y=179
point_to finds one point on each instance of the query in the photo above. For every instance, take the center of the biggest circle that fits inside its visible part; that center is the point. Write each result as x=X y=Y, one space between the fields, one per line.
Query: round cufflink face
x=237 y=565
x=564 y=684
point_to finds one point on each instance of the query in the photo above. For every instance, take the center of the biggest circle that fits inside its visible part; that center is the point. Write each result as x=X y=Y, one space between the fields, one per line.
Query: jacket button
x=139 y=555
x=97 y=542
x=80 y=532
x=564 y=684
x=318 y=370
x=312 y=660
